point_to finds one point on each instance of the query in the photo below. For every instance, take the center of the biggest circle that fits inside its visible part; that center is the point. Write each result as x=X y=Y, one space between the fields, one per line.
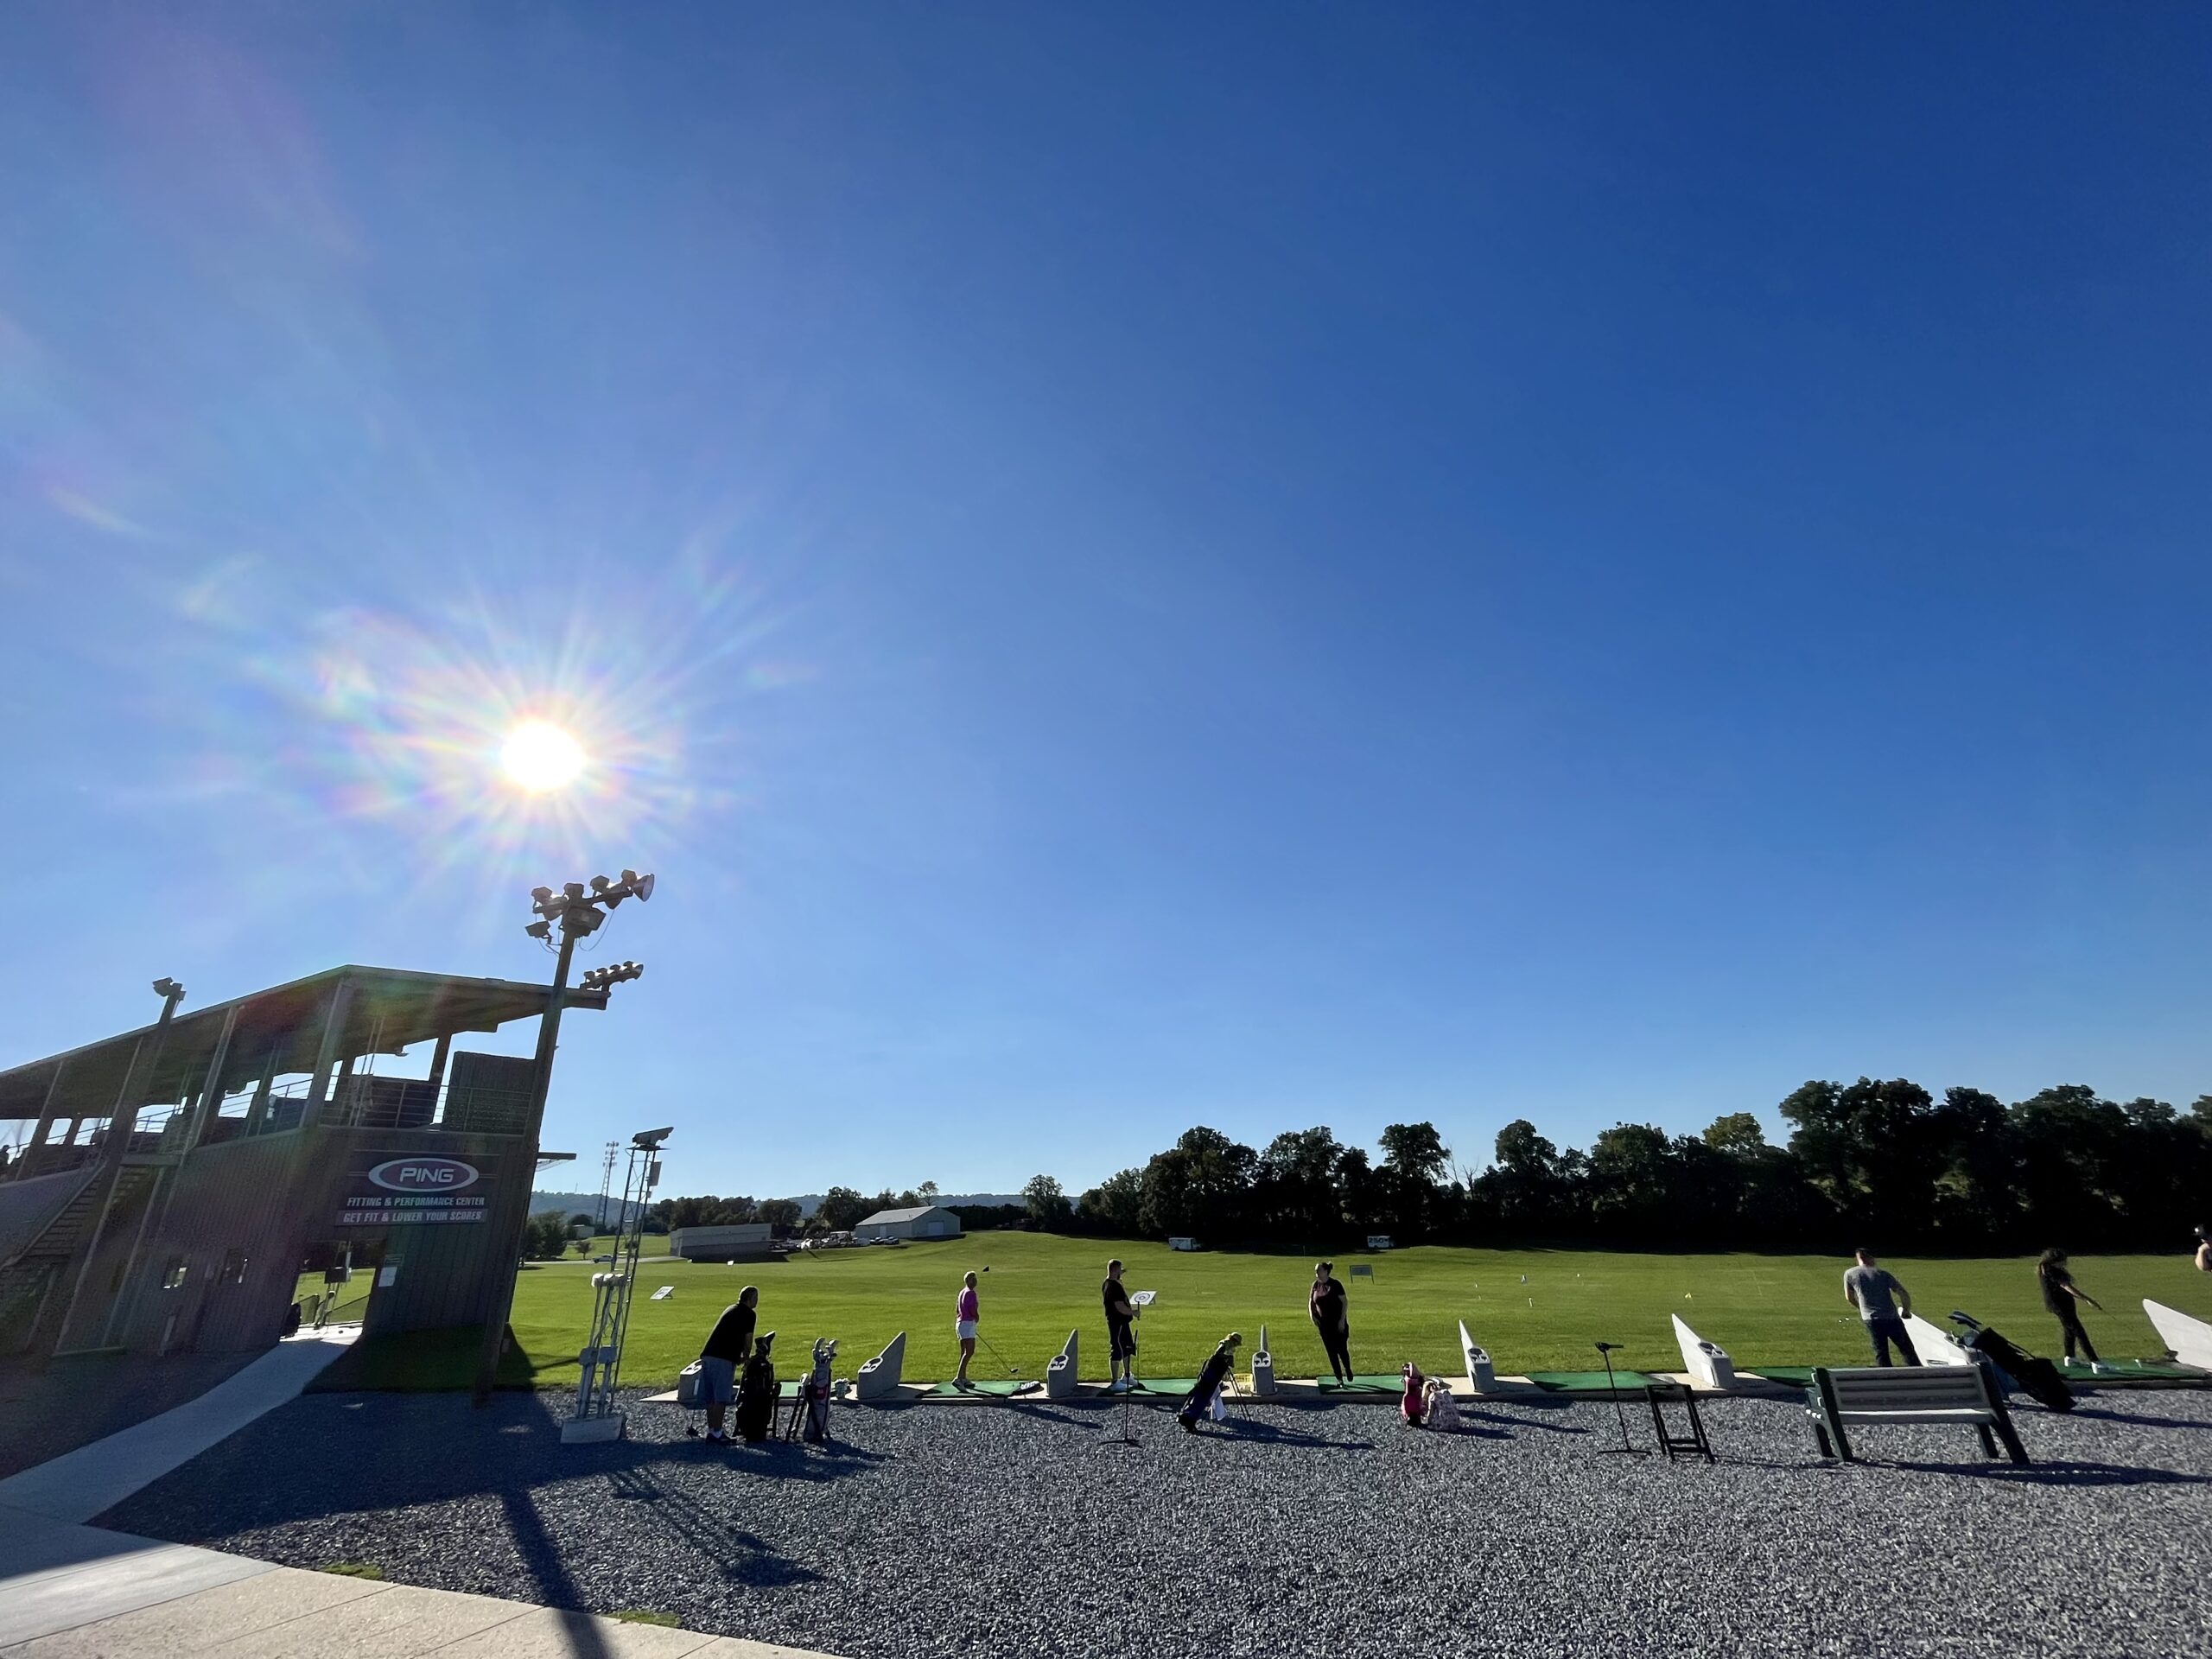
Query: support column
x=333 y=1029
x=211 y=1091
x=439 y=1057
x=257 y=1114
x=45 y=1111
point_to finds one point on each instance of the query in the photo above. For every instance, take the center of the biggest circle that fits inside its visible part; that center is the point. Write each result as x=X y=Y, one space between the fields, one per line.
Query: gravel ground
x=1022 y=1530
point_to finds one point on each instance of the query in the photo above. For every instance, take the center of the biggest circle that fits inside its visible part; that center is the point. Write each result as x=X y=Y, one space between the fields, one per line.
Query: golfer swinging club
x=965 y=1313
x=1120 y=1331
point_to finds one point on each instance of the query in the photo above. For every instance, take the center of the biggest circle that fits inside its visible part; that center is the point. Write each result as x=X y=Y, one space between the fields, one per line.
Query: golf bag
x=756 y=1393
x=1443 y=1413
x=810 y=1408
x=2035 y=1376
x=1412 y=1406
x=1199 y=1401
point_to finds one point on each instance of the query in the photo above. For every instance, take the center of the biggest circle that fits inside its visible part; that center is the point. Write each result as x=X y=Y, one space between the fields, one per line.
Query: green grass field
x=1769 y=1309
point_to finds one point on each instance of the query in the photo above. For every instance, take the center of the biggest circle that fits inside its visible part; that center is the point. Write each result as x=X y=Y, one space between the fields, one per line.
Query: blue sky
x=1129 y=566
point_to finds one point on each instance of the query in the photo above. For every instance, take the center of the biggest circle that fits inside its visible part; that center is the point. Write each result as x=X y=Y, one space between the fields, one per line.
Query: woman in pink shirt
x=964 y=1326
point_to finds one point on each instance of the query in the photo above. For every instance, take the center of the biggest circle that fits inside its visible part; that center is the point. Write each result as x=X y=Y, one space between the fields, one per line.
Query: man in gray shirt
x=1869 y=1288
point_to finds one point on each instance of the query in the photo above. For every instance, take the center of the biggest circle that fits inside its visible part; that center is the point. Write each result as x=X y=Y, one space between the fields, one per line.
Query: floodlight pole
x=511 y=1208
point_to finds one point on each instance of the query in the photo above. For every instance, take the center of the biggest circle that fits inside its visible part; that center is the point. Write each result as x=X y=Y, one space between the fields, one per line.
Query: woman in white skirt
x=963 y=1326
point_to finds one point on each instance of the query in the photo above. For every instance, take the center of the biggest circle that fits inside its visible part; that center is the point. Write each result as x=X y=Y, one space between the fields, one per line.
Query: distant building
x=929 y=1221
x=748 y=1241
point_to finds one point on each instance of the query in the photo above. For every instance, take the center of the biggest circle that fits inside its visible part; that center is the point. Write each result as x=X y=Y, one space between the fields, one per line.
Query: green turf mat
x=2129 y=1371
x=1361 y=1385
x=1175 y=1385
x=1003 y=1386
x=1587 y=1381
x=1796 y=1375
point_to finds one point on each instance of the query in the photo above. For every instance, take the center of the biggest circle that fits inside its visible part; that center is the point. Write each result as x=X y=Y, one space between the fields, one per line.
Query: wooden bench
x=1908 y=1394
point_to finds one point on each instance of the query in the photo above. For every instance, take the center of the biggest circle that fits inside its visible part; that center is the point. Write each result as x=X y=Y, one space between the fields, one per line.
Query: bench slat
x=1941 y=1414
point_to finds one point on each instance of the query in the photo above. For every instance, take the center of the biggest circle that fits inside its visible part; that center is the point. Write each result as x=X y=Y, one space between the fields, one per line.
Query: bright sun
x=539 y=756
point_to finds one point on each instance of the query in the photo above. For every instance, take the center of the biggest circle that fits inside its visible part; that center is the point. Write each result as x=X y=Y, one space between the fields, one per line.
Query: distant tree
x=926 y=1192
x=584 y=1247
x=1415 y=1151
x=1200 y=1186
x=584 y=1218
x=1739 y=1134
x=1048 y=1205
x=546 y=1236
x=781 y=1215
x=1115 y=1207
x=841 y=1208
x=1297 y=1192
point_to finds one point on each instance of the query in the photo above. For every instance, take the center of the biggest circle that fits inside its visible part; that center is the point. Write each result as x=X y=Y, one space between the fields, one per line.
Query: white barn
x=928 y=1221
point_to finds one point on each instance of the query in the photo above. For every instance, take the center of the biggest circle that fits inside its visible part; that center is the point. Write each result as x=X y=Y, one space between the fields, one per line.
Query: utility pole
x=575 y=909
x=606 y=1181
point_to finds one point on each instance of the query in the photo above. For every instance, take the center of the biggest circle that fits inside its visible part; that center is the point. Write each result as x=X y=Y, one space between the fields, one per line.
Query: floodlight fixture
x=540 y=894
x=600 y=884
x=166 y=986
x=649 y=1139
x=614 y=974
x=574 y=889
x=540 y=930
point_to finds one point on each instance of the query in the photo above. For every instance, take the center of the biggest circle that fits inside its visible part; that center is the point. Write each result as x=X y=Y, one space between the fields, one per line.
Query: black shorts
x=1121 y=1338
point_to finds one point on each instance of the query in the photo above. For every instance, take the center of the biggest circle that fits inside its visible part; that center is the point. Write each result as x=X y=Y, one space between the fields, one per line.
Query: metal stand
x=595 y=1417
x=1692 y=1444
x=1605 y=1352
x=1138 y=1303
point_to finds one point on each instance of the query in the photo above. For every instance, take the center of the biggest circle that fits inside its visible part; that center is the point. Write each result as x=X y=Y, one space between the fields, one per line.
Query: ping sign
x=423 y=1175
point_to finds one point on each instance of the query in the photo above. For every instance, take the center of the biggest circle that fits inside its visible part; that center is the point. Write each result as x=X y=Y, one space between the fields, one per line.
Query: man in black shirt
x=728 y=1345
x=1120 y=1331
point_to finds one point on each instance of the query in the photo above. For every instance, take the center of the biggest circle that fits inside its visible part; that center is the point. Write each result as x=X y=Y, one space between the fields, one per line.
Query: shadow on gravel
x=743 y=1558
x=1468 y=1414
x=541 y=1558
x=2067 y=1473
x=2137 y=1419
x=1052 y=1414
x=1261 y=1433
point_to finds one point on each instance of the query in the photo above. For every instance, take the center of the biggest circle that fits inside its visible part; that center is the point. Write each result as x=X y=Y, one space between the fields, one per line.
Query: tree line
x=1877 y=1161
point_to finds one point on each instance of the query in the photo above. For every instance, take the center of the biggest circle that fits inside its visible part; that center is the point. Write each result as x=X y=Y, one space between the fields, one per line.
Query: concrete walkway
x=80 y=1484
x=68 y=1591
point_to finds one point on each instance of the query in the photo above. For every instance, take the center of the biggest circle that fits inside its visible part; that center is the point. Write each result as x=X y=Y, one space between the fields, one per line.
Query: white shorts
x=963 y=1329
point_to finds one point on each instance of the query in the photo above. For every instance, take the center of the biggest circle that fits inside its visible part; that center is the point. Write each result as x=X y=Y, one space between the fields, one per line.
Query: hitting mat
x=1177 y=1386
x=2130 y=1370
x=1794 y=1376
x=1003 y=1387
x=783 y=1391
x=1361 y=1385
x=1588 y=1381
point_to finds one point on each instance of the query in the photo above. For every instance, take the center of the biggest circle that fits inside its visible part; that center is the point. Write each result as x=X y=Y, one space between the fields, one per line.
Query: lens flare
x=539 y=757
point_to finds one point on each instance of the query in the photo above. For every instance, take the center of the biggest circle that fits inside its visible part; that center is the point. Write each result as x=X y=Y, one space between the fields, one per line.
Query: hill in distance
x=587 y=1203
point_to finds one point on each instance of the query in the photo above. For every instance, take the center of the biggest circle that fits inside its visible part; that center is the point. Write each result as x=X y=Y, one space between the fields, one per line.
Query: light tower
x=575 y=912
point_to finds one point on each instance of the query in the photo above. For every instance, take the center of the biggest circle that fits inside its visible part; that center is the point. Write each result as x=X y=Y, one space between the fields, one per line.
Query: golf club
x=1605 y=1352
x=1012 y=1373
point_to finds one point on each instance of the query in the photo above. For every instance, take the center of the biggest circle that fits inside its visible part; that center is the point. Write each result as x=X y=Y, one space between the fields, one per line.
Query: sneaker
x=1120 y=1385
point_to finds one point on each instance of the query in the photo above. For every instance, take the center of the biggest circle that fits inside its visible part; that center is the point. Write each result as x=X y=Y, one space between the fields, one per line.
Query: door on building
x=337 y=1280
